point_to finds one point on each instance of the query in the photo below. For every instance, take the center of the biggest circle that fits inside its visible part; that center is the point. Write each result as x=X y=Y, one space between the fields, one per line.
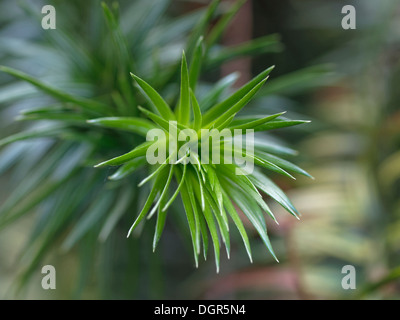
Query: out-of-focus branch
x=239 y=31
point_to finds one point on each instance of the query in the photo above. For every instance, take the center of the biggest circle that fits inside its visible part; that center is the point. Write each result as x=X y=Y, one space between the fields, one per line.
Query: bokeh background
x=346 y=81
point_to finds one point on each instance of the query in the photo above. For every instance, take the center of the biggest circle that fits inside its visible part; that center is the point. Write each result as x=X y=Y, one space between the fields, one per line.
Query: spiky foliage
x=93 y=113
x=208 y=191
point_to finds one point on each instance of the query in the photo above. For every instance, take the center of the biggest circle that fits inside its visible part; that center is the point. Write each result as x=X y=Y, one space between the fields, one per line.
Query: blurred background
x=345 y=81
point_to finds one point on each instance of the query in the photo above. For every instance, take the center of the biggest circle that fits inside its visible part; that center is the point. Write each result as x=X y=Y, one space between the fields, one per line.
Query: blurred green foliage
x=350 y=213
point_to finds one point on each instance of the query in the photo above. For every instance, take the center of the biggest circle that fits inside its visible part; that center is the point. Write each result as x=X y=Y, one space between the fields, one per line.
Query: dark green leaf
x=197 y=117
x=238 y=105
x=239 y=225
x=159 y=182
x=222 y=24
x=266 y=185
x=86 y=104
x=225 y=105
x=137 y=125
x=139 y=151
x=128 y=168
x=250 y=209
x=255 y=123
x=183 y=107
x=155 y=100
x=284 y=164
x=257 y=46
x=213 y=95
x=195 y=64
